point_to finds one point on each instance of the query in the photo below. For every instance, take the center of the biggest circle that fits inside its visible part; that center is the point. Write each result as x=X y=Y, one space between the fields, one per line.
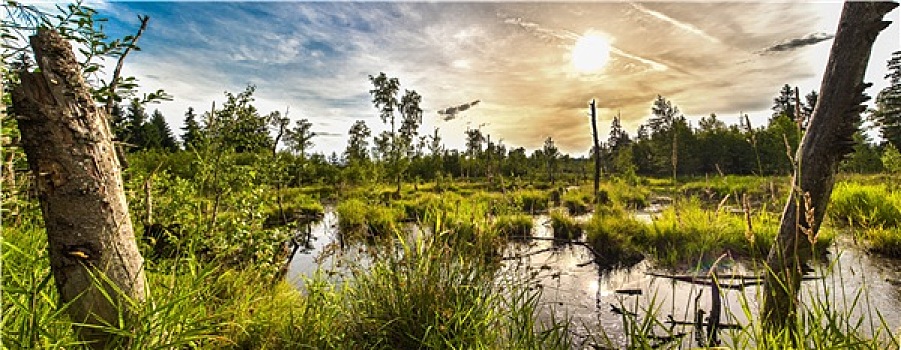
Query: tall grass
x=883 y=241
x=533 y=201
x=577 y=201
x=611 y=233
x=865 y=205
x=189 y=304
x=685 y=233
x=626 y=195
x=875 y=209
x=514 y=225
x=357 y=218
x=565 y=226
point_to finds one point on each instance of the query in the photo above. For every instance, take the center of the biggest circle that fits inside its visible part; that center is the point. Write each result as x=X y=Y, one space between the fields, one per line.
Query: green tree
x=619 y=146
x=865 y=158
x=158 y=134
x=713 y=139
x=357 y=150
x=785 y=103
x=550 y=153
x=887 y=112
x=663 y=135
x=474 y=141
x=192 y=134
x=810 y=102
x=396 y=145
x=239 y=126
x=891 y=159
x=279 y=123
x=300 y=138
x=134 y=127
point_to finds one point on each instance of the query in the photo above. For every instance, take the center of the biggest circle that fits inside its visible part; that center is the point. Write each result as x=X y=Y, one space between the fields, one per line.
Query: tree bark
x=597 y=151
x=67 y=141
x=828 y=139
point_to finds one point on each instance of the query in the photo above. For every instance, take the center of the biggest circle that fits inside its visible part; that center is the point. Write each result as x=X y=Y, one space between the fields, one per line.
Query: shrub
x=627 y=196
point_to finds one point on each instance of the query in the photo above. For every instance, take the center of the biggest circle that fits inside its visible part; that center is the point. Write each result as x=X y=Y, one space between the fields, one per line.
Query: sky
x=504 y=67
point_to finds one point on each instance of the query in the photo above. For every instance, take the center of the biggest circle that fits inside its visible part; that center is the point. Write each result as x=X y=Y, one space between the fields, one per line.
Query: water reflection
x=574 y=286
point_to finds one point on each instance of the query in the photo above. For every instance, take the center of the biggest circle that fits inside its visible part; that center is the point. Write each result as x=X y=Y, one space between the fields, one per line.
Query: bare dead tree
x=597 y=150
x=827 y=141
x=93 y=254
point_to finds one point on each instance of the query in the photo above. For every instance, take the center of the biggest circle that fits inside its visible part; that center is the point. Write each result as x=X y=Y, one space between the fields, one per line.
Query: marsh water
x=595 y=298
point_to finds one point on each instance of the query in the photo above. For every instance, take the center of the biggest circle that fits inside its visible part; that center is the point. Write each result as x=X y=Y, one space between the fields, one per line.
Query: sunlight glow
x=591 y=53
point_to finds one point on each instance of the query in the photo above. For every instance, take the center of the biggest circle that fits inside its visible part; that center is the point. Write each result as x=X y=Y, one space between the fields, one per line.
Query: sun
x=591 y=53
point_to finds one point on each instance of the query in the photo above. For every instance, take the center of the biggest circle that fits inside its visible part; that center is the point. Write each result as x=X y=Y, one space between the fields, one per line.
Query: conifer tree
x=887 y=114
x=192 y=136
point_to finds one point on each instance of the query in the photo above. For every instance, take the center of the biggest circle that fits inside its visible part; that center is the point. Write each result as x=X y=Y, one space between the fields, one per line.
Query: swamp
x=397 y=175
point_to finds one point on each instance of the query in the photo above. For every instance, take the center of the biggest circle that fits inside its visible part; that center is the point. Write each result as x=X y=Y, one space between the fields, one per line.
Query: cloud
x=548 y=35
x=681 y=25
x=516 y=57
x=450 y=113
x=797 y=43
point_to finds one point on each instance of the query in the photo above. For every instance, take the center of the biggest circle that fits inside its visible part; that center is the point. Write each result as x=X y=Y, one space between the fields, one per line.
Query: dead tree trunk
x=597 y=151
x=67 y=141
x=827 y=140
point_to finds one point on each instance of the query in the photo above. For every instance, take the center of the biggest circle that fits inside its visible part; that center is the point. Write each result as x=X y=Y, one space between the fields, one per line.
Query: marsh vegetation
x=250 y=240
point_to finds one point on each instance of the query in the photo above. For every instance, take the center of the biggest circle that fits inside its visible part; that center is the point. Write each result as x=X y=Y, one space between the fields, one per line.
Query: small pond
x=574 y=286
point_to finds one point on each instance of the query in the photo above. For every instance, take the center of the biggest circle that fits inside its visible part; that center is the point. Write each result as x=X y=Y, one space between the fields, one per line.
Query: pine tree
x=192 y=136
x=551 y=153
x=357 y=143
x=784 y=104
x=887 y=114
x=299 y=138
x=134 y=126
x=161 y=132
x=618 y=136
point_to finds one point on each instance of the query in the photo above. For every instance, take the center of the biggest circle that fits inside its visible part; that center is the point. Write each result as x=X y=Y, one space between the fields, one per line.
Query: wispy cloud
x=316 y=58
x=679 y=24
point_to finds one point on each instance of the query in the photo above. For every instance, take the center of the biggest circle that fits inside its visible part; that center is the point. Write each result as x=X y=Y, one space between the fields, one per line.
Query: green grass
x=435 y=292
x=533 y=201
x=883 y=241
x=576 y=201
x=625 y=195
x=357 y=218
x=717 y=187
x=564 y=226
x=610 y=232
x=514 y=225
x=685 y=234
x=862 y=205
x=441 y=290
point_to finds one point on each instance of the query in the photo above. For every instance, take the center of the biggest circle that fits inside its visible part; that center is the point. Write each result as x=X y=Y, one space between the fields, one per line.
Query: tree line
x=666 y=145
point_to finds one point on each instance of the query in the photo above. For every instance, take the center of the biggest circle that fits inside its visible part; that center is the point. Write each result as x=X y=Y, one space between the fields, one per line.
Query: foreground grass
x=432 y=291
x=428 y=294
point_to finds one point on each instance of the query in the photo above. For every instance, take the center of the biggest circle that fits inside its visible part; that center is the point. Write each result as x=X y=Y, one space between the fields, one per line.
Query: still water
x=575 y=287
